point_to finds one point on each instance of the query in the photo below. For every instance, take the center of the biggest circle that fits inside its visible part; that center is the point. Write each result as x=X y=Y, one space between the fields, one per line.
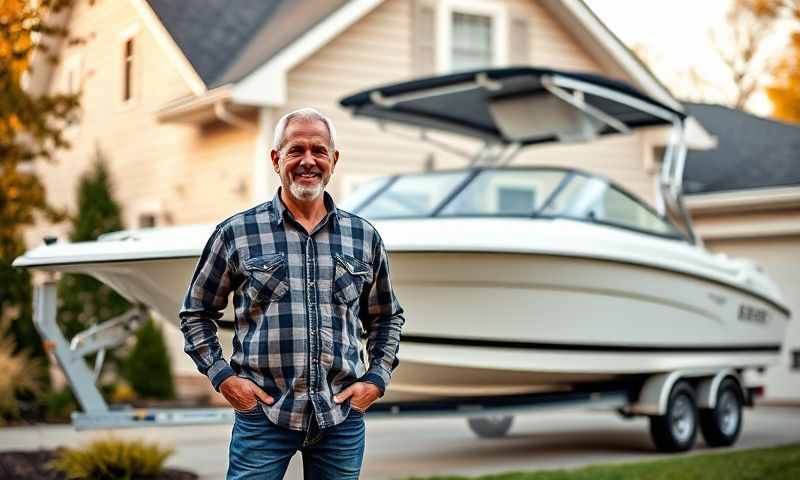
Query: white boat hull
x=555 y=321
x=548 y=311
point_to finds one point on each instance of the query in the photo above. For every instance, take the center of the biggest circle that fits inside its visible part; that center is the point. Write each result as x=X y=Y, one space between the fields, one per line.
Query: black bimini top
x=521 y=105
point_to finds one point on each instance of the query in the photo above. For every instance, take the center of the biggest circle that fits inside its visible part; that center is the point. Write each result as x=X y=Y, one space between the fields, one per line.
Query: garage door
x=780 y=256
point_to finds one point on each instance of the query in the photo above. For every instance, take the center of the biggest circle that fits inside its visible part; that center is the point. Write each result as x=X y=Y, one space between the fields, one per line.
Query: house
x=182 y=100
x=744 y=197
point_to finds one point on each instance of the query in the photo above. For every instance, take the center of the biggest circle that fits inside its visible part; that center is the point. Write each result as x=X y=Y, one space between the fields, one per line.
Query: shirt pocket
x=350 y=277
x=267 y=277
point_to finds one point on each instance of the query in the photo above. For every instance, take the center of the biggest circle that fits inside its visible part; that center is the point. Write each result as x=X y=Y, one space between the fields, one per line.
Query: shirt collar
x=279 y=210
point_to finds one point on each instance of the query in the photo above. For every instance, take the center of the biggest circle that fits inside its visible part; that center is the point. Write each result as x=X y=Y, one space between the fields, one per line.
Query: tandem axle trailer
x=678 y=403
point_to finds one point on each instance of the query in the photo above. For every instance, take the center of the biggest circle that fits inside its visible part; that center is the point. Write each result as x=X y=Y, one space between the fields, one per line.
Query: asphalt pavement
x=400 y=447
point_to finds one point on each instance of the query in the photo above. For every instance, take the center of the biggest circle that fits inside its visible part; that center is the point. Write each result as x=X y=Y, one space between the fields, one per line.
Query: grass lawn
x=778 y=463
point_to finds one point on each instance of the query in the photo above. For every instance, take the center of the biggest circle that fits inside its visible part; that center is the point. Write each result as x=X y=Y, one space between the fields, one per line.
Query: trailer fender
x=707 y=388
x=654 y=394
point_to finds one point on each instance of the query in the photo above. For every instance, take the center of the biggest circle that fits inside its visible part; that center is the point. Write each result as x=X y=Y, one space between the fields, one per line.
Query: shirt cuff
x=218 y=372
x=375 y=379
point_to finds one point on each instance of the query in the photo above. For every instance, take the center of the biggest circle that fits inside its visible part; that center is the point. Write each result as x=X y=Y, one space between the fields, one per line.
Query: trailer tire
x=722 y=424
x=676 y=430
x=490 y=427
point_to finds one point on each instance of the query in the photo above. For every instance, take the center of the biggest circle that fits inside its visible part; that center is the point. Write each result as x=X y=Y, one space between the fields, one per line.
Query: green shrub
x=111 y=459
x=147 y=367
x=59 y=404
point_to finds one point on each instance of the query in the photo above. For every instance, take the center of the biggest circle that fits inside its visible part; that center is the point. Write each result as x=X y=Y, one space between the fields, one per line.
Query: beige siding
x=377 y=50
x=550 y=44
x=190 y=174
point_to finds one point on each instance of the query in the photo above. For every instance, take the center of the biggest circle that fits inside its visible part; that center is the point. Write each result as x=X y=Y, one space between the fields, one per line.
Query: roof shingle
x=225 y=40
x=752 y=152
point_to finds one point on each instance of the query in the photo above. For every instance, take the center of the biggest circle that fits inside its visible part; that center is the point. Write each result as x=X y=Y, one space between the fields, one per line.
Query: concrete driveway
x=398 y=448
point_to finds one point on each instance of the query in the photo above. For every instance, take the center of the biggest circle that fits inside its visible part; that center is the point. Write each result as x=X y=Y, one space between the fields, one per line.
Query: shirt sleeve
x=383 y=321
x=205 y=300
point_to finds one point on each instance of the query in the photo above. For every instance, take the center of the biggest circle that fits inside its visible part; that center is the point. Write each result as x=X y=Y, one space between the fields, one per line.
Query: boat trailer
x=487 y=416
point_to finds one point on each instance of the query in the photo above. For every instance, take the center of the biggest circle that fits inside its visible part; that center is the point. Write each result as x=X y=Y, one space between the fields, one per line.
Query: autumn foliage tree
x=30 y=128
x=744 y=49
x=784 y=92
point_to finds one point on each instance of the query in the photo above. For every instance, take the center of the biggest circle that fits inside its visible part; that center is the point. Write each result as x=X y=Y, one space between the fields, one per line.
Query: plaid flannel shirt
x=302 y=302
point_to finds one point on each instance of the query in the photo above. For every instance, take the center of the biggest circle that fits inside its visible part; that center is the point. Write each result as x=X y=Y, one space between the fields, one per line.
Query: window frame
x=497 y=11
x=129 y=35
x=149 y=216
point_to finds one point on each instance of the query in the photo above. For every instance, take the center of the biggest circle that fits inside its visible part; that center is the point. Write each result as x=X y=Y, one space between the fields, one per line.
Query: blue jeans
x=261 y=450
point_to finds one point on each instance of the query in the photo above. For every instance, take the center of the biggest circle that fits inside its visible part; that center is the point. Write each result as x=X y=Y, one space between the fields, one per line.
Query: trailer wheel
x=676 y=430
x=490 y=427
x=721 y=425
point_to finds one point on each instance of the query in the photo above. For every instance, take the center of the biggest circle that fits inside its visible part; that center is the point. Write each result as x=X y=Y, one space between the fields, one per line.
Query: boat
x=515 y=280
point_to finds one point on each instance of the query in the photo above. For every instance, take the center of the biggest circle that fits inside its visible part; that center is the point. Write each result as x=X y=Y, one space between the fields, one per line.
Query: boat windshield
x=413 y=195
x=533 y=192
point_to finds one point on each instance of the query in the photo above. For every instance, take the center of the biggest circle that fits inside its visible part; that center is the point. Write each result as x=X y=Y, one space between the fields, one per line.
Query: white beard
x=307 y=193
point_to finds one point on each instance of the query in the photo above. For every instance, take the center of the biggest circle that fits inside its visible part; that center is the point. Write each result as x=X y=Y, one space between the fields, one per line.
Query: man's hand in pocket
x=361 y=395
x=242 y=393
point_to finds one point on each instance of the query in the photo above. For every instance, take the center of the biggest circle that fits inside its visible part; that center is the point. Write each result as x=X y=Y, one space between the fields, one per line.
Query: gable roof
x=752 y=152
x=224 y=40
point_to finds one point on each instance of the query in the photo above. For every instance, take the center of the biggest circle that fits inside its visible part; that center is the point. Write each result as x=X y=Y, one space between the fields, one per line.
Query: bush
x=122 y=393
x=111 y=459
x=147 y=367
x=59 y=404
x=20 y=373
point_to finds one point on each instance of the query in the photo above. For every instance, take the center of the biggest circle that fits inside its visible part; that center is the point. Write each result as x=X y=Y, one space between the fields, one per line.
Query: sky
x=676 y=27
x=677 y=32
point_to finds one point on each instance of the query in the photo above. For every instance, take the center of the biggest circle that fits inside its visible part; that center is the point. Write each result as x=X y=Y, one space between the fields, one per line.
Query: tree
x=147 y=367
x=30 y=128
x=83 y=299
x=784 y=92
x=743 y=45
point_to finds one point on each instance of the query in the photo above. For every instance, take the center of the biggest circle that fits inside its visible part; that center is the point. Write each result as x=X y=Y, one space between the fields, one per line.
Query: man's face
x=305 y=162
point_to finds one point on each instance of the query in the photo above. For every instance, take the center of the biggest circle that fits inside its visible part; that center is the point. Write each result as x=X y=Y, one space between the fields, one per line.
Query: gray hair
x=307 y=113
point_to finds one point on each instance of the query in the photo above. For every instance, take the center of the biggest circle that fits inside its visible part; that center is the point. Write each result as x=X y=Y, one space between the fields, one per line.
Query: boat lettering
x=748 y=313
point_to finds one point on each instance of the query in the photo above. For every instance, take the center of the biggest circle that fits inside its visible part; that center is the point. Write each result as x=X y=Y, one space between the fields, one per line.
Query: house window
x=127 y=86
x=471 y=42
x=795 y=359
x=471 y=34
x=147 y=220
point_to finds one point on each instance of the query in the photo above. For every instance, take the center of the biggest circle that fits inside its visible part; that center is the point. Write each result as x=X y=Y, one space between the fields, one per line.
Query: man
x=308 y=279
